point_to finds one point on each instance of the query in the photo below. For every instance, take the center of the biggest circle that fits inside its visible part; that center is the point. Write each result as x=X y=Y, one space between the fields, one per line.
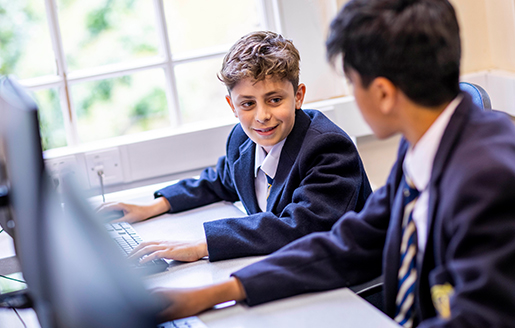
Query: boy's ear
x=229 y=101
x=299 y=96
x=385 y=93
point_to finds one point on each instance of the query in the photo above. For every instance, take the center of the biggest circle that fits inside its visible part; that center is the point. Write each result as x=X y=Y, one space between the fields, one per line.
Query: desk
x=337 y=308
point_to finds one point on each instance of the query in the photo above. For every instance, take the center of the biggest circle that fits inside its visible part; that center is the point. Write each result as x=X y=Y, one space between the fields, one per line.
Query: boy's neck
x=418 y=119
x=267 y=149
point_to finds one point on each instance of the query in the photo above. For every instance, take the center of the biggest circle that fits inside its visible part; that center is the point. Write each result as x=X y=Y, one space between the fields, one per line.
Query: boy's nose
x=263 y=114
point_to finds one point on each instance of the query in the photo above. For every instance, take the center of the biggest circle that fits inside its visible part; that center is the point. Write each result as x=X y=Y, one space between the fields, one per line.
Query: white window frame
x=165 y=61
x=157 y=156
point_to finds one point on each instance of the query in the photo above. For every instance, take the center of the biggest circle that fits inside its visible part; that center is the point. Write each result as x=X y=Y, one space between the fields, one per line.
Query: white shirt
x=418 y=165
x=265 y=163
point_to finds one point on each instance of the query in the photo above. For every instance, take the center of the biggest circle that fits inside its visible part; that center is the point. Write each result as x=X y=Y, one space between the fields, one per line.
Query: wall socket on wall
x=56 y=168
x=104 y=164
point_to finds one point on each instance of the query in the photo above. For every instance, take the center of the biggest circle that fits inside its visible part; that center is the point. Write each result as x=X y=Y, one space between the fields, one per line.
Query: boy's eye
x=275 y=100
x=247 y=104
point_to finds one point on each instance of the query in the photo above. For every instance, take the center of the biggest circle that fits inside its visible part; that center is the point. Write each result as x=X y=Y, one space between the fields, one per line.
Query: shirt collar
x=418 y=162
x=268 y=163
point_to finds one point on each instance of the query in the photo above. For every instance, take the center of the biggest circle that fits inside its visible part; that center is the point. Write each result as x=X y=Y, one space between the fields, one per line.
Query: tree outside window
x=108 y=68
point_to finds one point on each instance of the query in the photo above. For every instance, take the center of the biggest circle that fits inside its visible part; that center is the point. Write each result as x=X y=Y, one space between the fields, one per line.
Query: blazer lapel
x=244 y=177
x=391 y=254
x=289 y=153
x=447 y=144
x=449 y=141
x=392 y=244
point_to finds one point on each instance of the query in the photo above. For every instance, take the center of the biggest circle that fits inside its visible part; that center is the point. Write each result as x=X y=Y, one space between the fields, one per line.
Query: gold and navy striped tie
x=269 y=181
x=407 y=277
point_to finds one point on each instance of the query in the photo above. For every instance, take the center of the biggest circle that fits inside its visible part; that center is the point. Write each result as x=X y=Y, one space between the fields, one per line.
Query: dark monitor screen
x=75 y=274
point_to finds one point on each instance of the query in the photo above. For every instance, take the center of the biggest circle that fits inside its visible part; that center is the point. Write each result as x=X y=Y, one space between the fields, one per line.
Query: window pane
x=101 y=32
x=51 y=121
x=120 y=106
x=25 y=46
x=195 y=24
x=201 y=94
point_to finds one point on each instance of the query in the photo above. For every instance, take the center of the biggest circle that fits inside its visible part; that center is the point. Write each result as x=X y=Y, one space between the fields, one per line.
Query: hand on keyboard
x=185 y=251
x=127 y=239
x=135 y=213
x=122 y=212
x=189 y=322
x=182 y=302
x=111 y=216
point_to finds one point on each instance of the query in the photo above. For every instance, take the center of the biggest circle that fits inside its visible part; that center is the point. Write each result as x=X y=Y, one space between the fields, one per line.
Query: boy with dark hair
x=294 y=171
x=441 y=230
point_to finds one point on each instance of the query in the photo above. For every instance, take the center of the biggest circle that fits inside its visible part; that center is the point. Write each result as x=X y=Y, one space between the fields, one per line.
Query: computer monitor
x=21 y=158
x=91 y=283
x=21 y=173
x=75 y=273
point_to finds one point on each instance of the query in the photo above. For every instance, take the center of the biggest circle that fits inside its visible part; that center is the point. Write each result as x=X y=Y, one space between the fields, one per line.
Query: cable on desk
x=1 y=230
x=17 y=280
x=19 y=317
x=101 y=176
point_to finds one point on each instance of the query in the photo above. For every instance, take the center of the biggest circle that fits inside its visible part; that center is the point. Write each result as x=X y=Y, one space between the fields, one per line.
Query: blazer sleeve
x=331 y=181
x=477 y=244
x=347 y=255
x=212 y=186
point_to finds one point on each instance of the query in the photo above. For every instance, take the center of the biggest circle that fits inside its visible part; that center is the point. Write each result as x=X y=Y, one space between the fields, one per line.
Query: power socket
x=108 y=161
x=59 y=166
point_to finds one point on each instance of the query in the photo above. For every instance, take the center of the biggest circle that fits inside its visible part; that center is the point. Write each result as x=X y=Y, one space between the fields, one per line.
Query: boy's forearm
x=212 y=295
x=228 y=290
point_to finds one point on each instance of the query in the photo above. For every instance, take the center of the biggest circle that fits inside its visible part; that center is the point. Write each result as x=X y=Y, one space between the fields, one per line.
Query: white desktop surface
x=337 y=308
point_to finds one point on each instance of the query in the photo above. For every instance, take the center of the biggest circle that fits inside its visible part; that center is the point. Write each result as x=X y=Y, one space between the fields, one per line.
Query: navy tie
x=407 y=277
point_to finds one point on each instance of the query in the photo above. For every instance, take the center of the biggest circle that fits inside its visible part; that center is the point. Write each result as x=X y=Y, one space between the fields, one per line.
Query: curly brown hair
x=259 y=55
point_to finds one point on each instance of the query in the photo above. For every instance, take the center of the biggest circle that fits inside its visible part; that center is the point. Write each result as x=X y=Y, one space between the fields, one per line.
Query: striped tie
x=269 y=181
x=405 y=309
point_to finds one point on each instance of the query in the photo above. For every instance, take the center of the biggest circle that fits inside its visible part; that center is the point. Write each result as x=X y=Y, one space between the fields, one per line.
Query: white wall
x=487 y=34
x=501 y=28
x=476 y=50
x=308 y=28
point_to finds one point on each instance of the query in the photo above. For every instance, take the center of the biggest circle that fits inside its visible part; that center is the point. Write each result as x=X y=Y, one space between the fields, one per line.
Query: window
x=108 y=68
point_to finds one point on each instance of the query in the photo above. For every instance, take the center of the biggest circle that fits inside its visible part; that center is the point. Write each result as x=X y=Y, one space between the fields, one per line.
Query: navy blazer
x=319 y=177
x=471 y=233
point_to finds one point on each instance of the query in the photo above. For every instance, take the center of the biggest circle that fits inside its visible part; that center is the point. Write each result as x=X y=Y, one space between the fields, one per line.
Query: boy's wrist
x=230 y=290
x=158 y=206
x=239 y=291
x=202 y=249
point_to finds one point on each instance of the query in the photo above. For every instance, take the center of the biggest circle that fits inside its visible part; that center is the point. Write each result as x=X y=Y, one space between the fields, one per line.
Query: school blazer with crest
x=469 y=262
x=319 y=177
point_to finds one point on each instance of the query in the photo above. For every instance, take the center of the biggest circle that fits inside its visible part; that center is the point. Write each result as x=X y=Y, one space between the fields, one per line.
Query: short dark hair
x=413 y=43
x=259 y=55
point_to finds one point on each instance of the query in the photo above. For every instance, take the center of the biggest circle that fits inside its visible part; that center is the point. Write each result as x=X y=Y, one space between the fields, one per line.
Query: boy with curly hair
x=294 y=170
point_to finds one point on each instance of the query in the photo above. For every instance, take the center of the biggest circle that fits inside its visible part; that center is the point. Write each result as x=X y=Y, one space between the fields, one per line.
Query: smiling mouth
x=266 y=130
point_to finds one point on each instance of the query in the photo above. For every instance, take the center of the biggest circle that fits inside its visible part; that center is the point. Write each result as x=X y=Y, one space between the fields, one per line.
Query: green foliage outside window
x=51 y=122
x=97 y=34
